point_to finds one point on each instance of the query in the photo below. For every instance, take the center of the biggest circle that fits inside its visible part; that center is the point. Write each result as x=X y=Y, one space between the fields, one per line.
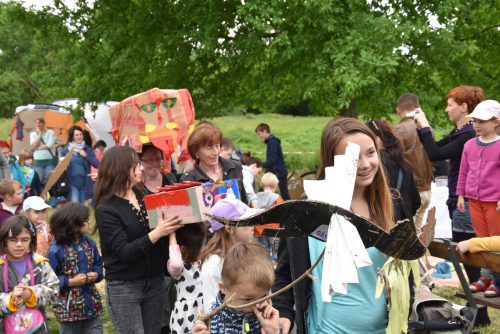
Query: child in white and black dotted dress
x=184 y=267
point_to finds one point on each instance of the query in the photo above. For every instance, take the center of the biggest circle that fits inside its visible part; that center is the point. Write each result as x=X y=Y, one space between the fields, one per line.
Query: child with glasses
x=27 y=282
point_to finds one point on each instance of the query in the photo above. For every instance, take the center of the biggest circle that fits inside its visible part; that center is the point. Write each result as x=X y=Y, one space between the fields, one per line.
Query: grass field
x=297 y=134
x=300 y=136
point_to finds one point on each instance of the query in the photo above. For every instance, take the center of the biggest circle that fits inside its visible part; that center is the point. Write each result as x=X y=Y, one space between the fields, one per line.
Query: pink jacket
x=479 y=176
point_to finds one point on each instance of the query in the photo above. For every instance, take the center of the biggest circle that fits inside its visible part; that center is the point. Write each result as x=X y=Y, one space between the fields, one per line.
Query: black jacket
x=127 y=251
x=231 y=169
x=293 y=261
x=408 y=190
x=450 y=147
x=274 y=157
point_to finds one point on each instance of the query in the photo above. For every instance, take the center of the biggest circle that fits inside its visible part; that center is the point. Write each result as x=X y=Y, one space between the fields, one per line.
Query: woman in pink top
x=478 y=180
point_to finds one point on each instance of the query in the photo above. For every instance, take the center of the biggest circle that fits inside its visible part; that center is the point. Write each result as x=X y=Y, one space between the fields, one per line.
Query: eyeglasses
x=22 y=240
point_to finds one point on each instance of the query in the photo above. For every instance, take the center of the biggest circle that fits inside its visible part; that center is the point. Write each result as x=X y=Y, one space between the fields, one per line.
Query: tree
x=320 y=56
x=35 y=58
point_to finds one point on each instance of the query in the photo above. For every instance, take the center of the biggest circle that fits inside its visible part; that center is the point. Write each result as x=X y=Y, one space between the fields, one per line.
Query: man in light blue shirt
x=42 y=140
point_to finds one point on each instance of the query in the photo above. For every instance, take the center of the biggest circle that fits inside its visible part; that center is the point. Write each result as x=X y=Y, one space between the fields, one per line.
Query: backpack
x=25 y=320
x=61 y=187
x=433 y=314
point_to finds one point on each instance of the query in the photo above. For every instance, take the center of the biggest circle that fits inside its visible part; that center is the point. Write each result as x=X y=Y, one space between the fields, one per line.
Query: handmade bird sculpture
x=300 y=218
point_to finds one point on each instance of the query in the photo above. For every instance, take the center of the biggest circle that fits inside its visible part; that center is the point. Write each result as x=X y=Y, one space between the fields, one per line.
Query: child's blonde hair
x=219 y=244
x=9 y=187
x=248 y=262
x=24 y=155
x=269 y=180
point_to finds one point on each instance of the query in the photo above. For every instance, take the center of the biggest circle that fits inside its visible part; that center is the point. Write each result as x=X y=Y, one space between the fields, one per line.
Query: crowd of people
x=158 y=280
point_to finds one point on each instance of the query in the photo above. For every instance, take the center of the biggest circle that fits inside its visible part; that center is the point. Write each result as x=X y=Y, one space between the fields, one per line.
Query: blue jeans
x=44 y=173
x=77 y=194
x=136 y=306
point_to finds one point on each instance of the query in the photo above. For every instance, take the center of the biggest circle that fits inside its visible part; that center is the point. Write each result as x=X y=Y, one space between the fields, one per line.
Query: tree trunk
x=350 y=111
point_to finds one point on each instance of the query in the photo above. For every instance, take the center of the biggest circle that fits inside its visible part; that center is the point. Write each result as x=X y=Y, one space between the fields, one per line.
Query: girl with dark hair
x=358 y=311
x=184 y=267
x=134 y=254
x=75 y=259
x=27 y=281
x=79 y=168
x=398 y=171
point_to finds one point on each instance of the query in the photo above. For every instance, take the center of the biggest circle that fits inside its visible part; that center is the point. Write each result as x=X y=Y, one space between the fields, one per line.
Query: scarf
x=229 y=321
x=76 y=148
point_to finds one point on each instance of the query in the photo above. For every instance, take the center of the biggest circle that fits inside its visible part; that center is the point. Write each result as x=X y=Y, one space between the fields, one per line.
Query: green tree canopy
x=318 y=56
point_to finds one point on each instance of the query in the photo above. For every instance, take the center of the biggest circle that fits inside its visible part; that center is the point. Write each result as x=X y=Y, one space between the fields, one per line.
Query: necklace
x=469 y=123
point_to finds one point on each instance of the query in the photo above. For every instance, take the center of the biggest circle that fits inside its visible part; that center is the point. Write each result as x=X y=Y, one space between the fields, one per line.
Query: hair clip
x=31 y=227
x=10 y=232
x=374 y=124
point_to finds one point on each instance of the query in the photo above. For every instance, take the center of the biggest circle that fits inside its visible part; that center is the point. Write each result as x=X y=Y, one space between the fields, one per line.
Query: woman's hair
x=378 y=194
x=470 y=95
x=13 y=226
x=204 y=135
x=24 y=155
x=391 y=144
x=40 y=120
x=146 y=148
x=114 y=173
x=248 y=262
x=67 y=221
x=71 y=132
x=191 y=237
x=98 y=143
x=220 y=243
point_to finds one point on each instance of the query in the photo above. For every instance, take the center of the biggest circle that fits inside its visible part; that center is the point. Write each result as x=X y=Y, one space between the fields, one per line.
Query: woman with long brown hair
x=358 y=311
x=134 y=255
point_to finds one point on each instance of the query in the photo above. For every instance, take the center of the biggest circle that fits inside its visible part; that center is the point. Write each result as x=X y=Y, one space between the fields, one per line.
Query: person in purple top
x=461 y=101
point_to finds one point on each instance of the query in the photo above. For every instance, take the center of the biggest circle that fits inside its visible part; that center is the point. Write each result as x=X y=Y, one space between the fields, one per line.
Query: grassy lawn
x=297 y=134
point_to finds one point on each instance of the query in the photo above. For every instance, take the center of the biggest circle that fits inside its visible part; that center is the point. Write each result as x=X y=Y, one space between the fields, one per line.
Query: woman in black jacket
x=460 y=101
x=134 y=255
x=204 y=145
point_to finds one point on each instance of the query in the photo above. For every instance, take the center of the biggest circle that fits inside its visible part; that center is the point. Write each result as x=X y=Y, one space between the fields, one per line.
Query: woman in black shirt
x=134 y=254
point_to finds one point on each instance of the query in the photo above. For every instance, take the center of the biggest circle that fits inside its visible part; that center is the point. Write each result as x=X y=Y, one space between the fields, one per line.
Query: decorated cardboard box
x=188 y=200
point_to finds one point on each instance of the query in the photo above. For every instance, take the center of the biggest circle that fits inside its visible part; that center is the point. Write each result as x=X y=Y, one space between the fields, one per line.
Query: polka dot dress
x=189 y=299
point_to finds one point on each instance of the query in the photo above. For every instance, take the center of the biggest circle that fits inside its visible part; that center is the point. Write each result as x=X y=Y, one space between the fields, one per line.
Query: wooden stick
x=307 y=273
x=226 y=303
x=207 y=317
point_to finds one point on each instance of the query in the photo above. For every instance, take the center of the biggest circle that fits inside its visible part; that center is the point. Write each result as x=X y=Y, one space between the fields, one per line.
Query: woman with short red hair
x=460 y=101
x=204 y=145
